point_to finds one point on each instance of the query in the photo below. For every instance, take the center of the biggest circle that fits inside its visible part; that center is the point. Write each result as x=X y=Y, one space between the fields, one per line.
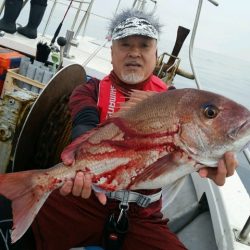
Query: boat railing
x=243 y=235
x=83 y=12
x=191 y=45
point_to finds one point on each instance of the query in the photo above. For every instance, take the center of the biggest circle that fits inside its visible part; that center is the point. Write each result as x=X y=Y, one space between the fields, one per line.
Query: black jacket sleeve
x=84 y=120
x=83 y=107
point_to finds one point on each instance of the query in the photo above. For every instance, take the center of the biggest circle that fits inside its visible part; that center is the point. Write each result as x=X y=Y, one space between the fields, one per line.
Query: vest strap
x=126 y=197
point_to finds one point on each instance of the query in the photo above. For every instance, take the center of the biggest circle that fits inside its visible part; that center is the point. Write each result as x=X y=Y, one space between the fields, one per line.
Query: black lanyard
x=115 y=230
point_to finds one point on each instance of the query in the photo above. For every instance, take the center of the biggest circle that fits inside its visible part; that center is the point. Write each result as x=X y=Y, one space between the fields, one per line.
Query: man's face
x=134 y=58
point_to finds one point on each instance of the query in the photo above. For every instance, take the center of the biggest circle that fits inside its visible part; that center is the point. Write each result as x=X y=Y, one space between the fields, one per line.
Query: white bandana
x=134 y=26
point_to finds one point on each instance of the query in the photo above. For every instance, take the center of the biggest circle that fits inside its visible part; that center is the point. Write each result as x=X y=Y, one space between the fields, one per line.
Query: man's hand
x=81 y=186
x=226 y=168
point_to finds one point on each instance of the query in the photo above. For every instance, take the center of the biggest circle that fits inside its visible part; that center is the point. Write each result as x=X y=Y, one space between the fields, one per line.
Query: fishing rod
x=43 y=49
x=60 y=25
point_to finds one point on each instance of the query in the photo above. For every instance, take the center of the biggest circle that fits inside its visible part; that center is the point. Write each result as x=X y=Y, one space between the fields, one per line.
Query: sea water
x=219 y=73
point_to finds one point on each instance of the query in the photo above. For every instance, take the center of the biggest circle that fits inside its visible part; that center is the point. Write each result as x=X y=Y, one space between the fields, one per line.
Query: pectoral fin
x=164 y=171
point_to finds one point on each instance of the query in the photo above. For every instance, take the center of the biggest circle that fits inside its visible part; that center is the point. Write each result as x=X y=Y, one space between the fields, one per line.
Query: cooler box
x=9 y=59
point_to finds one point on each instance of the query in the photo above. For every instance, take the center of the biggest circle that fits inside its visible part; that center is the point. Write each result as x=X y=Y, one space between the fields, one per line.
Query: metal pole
x=94 y=54
x=134 y=3
x=143 y=4
x=191 y=45
x=117 y=7
x=50 y=15
x=76 y=15
x=84 y=20
x=245 y=230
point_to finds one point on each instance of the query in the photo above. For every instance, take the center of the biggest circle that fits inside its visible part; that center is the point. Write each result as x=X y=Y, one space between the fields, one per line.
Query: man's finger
x=221 y=173
x=78 y=184
x=86 y=190
x=231 y=163
x=66 y=188
x=101 y=197
x=68 y=161
x=203 y=172
x=218 y=174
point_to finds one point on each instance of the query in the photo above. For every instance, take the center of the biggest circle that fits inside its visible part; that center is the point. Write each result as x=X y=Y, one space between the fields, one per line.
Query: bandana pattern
x=134 y=26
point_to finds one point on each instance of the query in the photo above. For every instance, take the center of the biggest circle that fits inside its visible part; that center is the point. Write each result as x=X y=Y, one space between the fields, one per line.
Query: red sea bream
x=152 y=141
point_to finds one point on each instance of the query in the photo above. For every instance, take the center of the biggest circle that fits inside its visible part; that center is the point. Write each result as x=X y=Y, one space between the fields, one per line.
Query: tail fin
x=27 y=198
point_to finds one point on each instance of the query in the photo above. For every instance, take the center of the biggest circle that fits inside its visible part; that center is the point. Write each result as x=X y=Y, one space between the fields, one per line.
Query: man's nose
x=134 y=52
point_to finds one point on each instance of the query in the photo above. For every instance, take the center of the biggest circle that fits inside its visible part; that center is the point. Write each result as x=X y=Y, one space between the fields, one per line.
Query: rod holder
x=69 y=37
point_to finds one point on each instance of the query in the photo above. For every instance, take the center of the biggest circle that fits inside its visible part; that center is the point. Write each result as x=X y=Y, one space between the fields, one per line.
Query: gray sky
x=224 y=29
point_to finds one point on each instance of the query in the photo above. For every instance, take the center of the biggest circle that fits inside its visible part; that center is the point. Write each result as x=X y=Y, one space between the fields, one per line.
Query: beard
x=132 y=78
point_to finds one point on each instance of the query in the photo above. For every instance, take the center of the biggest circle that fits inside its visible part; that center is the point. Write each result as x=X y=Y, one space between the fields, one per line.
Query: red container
x=9 y=59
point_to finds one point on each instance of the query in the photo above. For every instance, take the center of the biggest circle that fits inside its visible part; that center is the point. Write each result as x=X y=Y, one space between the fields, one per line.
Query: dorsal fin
x=135 y=97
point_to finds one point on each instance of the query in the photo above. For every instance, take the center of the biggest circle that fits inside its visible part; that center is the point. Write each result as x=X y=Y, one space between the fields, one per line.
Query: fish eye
x=210 y=111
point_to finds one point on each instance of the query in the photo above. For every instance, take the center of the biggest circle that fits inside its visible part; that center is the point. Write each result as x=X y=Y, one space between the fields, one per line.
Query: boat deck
x=93 y=55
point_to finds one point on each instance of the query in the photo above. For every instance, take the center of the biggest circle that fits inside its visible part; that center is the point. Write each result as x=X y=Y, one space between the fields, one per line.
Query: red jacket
x=92 y=102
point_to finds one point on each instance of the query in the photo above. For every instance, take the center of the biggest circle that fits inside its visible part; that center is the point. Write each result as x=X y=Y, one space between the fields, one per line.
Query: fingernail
x=79 y=174
x=203 y=173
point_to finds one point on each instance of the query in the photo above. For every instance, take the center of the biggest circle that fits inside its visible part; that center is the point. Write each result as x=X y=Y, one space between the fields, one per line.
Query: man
x=75 y=216
x=78 y=221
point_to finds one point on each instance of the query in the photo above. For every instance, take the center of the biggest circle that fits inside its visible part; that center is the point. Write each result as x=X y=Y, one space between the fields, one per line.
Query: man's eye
x=125 y=44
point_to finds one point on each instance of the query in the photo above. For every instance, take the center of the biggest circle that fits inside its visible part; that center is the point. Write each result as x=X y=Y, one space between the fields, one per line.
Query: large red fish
x=155 y=139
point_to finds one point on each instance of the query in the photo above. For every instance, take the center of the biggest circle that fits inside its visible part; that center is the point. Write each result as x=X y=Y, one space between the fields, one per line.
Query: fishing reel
x=167 y=70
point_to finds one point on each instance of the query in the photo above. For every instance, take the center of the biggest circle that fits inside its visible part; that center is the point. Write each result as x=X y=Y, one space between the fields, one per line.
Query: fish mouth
x=234 y=133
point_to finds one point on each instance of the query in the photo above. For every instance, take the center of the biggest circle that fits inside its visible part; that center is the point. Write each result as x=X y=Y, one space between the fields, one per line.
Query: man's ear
x=111 y=47
x=156 y=56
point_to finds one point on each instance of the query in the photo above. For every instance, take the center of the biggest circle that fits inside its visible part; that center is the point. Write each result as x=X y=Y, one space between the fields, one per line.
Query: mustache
x=133 y=63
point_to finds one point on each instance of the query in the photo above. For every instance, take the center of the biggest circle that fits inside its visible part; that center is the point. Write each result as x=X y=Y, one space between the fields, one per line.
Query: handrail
x=84 y=20
x=50 y=16
x=191 y=45
x=140 y=4
x=76 y=15
x=94 y=53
